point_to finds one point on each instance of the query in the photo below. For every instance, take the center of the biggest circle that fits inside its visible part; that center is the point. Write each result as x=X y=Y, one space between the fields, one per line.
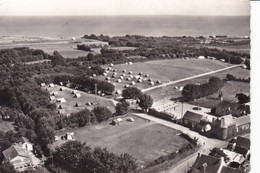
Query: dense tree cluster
x=122 y=108
x=77 y=157
x=21 y=55
x=145 y=100
x=243 y=98
x=84 y=47
x=195 y=91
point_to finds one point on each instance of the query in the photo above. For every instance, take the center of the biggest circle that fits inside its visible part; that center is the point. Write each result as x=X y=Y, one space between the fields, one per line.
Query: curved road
x=189 y=78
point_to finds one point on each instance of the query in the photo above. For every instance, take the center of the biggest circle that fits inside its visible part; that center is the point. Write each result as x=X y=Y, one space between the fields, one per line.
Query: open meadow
x=142 y=139
x=160 y=70
x=82 y=101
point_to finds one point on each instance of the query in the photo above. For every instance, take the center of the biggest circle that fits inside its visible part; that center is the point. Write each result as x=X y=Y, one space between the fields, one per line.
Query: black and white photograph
x=126 y=86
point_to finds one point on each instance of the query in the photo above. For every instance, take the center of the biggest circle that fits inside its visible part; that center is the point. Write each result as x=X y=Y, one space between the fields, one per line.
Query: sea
x=169 y=25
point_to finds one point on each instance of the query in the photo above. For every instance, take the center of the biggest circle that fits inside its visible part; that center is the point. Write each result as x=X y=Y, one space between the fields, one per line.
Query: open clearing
x=69 y=106
x=163 y=70
x=6 y=126
x=170 y=91
x=238 y=48
x=142 y=139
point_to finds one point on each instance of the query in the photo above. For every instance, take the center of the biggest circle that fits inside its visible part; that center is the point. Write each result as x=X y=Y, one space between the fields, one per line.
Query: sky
x=123 y=7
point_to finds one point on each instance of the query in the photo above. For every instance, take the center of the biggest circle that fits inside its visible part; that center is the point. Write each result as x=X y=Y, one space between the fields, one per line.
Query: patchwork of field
x=238 y=48
x=82 y=102
x=142 y=139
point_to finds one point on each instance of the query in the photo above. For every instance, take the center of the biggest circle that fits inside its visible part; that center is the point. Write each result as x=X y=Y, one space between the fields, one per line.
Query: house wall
x=28 y=147
x=243 y=128
x=21 y=163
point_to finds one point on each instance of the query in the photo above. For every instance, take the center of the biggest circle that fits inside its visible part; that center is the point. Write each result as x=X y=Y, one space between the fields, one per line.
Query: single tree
x=146 y=101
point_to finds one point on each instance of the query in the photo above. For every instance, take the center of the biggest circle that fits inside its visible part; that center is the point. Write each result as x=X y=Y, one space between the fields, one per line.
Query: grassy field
x=6 y=126
x=69 y=106
x=229 y=91
x=238 y=48
x=142 y=139
x=171 y=92
x=164 y=70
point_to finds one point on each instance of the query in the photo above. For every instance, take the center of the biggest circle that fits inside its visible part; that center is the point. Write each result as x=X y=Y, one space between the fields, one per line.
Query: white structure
x=52 y=98
x=111 y=65
x=119 y=92
x=130 y=63
x=77 y=95
x=51 y=85
x=104 y=74
x=201 y=57
x=130 y=72
x=124 y=71
x=94 y=75
x=107 y=78
x=132 y=83
x=130 y=119
x=119 y=80
x=54 y=93
x=43 y=84
x=151 y=83
x=61 y=100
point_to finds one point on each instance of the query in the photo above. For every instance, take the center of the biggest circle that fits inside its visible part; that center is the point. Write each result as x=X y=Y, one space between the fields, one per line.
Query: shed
x=61 y=89
x=130 y=63
x=130 y=72
x=129 y=79
x=115 y=73
x=121 y=77
x=126 y=86
x=123 y=74
x=107 y=78
x=131 y=76
x=150 y=80
x=111 y=65
x=51 y=85
x=104 y=74
x=114 y=70
x=140 y=73
x=140 y=81
x=147 y=75
x=113 y=76
x=124 y=71
x=88 y=103
x=201 y=57
x=43 y=84
x=119 y=80
x=94 y=75
x=158 y=82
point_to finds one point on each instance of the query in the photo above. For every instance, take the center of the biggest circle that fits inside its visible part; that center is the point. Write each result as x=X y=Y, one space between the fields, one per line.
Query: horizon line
x=118 y=15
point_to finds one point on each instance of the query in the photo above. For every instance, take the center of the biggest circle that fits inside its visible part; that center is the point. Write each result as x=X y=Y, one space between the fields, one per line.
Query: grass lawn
x=170 y=92
x=142 y=139
x=229 y=91
x=164 y=70
x=69 y=106
x=6 y=126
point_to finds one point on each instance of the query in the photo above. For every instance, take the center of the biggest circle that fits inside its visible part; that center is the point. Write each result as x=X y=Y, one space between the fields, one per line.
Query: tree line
x=195 y=91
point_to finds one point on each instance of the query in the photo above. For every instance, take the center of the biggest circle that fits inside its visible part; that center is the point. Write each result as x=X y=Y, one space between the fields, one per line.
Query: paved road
x=189 y=78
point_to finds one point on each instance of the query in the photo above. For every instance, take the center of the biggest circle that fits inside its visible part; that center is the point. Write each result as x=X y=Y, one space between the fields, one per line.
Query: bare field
x=142 y=139
x=69 y=106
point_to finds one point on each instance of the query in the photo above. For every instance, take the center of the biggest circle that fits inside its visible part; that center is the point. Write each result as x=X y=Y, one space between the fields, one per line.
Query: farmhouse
x=210 y=164
x=20 y=155
x=196 y=121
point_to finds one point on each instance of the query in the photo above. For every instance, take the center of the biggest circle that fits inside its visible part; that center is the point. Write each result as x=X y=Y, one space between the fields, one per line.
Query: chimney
x=203 y=168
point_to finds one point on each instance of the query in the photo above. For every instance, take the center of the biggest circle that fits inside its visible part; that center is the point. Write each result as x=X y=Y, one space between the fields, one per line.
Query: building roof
x=192 y=116
x=227 y=121
x=213 y=163
x=242 y=120
x=24 y=140
x=243 y=142
x=14 y=151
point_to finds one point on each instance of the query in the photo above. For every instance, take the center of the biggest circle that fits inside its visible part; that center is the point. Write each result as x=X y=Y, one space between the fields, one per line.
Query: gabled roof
x=14 y=151
x=24 y=140
x=243 y=142
x=242 y=120
x=213 y=163
x=227 y=121
x=226 y=169
x=192 y=116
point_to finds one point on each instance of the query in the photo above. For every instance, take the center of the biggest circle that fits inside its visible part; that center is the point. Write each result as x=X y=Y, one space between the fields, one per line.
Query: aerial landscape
x=125 y=93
